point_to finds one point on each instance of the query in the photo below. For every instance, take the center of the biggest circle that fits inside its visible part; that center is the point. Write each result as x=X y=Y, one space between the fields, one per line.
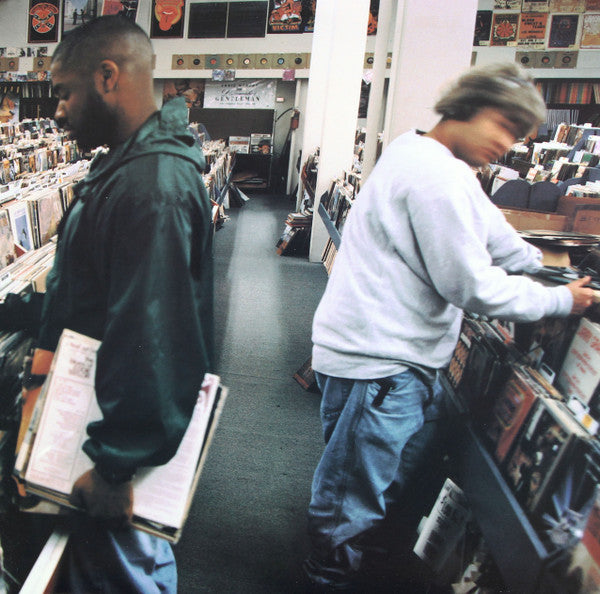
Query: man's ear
x=106 y=76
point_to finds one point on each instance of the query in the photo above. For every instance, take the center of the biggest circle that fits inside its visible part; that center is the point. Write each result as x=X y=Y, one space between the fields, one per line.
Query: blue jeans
x=124 y=561
x=375 y=441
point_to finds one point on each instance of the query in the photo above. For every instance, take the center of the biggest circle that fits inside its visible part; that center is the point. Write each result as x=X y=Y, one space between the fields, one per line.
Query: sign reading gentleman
x=247 y=94
x=43 y=21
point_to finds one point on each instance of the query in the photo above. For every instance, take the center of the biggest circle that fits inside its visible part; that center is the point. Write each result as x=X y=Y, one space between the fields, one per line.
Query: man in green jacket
x=132 y=269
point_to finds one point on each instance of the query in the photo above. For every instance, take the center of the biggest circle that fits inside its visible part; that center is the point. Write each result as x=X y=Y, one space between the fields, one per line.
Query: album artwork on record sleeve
x=285 y=16
x=167 y=18
x=77 y=12
x=532 y=29
x=483 y=27
x=592 y=5
x=127 y=8
x=563 y=30
x=43 y=21
x=504 y=28
x=247 y=19
x=207 y=20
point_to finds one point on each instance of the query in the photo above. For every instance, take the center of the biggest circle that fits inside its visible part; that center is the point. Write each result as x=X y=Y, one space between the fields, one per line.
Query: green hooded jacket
x=134 y=269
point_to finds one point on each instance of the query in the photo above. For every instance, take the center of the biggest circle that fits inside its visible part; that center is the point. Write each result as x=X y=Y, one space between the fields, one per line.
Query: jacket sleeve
x=453 y=230
x=154 y=253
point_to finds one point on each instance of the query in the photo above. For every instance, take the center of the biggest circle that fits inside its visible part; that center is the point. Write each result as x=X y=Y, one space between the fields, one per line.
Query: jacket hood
x=164 y=132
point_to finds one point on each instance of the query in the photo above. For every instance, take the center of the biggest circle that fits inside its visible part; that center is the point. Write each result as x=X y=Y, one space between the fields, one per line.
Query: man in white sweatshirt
x=421 y=244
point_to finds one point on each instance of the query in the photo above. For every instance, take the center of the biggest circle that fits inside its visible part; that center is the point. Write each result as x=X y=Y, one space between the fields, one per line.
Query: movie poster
x=43 y=21
x=126 y=8
x=167 y=18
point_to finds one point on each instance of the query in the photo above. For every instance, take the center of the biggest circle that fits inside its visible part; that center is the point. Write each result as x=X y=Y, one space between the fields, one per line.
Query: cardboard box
x=530 y=220
x=569 y=205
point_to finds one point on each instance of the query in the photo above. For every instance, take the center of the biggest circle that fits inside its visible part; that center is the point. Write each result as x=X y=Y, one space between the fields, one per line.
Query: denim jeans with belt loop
x=366 y=426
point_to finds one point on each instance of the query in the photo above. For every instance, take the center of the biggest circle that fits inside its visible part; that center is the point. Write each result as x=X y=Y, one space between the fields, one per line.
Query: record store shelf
x=520 y=555
x=331 y=229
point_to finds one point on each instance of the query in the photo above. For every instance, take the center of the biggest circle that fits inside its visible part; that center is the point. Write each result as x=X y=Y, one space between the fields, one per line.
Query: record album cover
x=167 y=18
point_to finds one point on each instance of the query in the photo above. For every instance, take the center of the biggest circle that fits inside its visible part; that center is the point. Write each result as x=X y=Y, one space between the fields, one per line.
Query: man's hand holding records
x=103 y=500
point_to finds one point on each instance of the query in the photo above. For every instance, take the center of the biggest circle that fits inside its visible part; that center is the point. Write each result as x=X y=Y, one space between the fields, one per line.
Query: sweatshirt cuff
x=563 y=301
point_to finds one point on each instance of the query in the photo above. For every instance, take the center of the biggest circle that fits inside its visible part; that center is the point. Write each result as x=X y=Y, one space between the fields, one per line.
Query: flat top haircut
x=111 y=37
x=506 y=87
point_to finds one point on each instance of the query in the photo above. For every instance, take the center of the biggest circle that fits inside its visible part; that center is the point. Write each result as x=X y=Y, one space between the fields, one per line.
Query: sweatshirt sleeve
x=461 y=244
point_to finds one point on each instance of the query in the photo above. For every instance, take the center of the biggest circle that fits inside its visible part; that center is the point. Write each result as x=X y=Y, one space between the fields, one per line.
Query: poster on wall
x=77 y=12
x=507 y=4
x=43 y=21
x=207 y=20
x=536 y=6
x=9 y=108
x=504 y=28
x=483 y=27
x=126 y=8
x=563 y=30
x=373 y=17
x=309 y=9
x=567 y=5
x=167 y=18
x=592 y=5
x=590 y=32
x=532 y=29
x=285 y=16
x=191 y=89
x=247 y=19
x=240 y=94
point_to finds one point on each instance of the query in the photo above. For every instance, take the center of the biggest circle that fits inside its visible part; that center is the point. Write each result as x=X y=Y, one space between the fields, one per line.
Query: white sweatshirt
x=422 y=242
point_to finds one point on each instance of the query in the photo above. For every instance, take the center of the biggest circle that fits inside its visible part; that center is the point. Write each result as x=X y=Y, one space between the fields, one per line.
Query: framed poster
x=77 y=12
x=563 y=30
x=532 y=29
x=247 y=19
x=43 y=21
x=167 y=18
x=285 y=16
x=590 y=34
x=207 y=20
x=504 y=28
x=483 y=27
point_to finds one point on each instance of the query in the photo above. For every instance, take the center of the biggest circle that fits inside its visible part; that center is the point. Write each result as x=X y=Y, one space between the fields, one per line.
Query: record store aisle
x=247 y=527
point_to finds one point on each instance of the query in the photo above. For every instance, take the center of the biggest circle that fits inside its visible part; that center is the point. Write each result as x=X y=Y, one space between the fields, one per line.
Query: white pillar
x=433 y=42
x=384 y=28
x=337 y=61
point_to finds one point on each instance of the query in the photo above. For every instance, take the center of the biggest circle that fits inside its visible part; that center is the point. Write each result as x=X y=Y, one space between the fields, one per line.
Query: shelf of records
x=33 y=146
x=530 y=461
x=573 y=152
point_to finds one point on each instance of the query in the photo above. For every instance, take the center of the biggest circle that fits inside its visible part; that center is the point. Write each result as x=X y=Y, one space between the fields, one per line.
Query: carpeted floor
x=246 y=530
